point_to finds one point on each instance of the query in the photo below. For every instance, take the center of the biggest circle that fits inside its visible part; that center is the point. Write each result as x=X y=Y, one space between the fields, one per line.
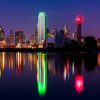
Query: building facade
x=19 y=38
x=2 y=34
x=42 y=30
x=2 y=38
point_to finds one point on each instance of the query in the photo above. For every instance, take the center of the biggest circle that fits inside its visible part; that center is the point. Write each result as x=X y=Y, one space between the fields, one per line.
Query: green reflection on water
x=42 y=73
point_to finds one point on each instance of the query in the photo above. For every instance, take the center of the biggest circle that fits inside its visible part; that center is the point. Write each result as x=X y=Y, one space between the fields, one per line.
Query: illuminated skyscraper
x=79 y=20
x=2 y=34
x=66 y=31
x=42 y=32
x=19 y=38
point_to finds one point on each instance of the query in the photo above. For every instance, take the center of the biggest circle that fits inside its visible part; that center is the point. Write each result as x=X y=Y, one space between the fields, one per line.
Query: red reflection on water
x=79 y=83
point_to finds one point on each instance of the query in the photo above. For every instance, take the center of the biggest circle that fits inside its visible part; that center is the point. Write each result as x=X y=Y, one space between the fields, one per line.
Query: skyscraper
x=42 y=30
x=32 y=40
x=66 y=31
x=51 y=38
x=59 y=39
x=2 y=34
x=2 y=38
x=7 y=41
x=74 y=36
x=36 y=37
x=19 y=38
x=11 y=37
x=79 y=20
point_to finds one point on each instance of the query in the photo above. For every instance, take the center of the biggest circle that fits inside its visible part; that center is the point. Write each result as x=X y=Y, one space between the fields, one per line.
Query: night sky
x=23 y=14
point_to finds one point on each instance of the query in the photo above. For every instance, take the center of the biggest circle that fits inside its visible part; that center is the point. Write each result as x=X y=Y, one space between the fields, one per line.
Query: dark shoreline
x=44 y=50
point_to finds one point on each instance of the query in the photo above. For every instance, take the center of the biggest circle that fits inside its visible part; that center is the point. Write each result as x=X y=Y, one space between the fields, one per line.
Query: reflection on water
x=51 y=67
x=79 y=83
x=42 y=73
x=99 y=60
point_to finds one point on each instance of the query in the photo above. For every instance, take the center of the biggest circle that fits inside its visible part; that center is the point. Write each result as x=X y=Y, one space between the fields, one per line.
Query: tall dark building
x=79 y=20
x=7 y=40
x=79 y=32
x=59 y=39
x=32 y=40
x=19 y=37
x=36 y=36
x=2 y=34
x=11 y=37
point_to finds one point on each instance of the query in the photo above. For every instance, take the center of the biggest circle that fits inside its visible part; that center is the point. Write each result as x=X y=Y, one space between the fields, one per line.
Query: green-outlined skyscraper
x=42 y=29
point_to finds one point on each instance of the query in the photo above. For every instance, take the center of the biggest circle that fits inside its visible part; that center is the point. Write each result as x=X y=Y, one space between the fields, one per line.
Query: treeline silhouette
x=89 y=44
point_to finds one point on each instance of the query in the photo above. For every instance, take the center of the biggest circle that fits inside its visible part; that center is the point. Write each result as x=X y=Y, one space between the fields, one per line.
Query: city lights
x=49 y=49
x=44 y=38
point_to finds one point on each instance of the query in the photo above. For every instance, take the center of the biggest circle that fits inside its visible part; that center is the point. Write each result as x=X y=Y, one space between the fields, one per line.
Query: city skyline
x=49 y=49
x=23 y=15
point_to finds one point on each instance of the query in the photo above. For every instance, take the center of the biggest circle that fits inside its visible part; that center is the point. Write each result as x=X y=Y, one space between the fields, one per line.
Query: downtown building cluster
x=18 y=39
x=43 y=37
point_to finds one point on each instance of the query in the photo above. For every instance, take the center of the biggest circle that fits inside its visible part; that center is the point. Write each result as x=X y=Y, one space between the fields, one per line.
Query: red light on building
x=79 y=19
x=79 y=83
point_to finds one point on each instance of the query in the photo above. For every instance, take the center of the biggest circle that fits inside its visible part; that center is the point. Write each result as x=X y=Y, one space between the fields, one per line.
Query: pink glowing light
x=79 y=83
x=79 y=19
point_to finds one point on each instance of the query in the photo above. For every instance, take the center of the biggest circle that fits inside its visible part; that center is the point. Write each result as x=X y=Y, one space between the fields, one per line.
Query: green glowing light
x=42 y=74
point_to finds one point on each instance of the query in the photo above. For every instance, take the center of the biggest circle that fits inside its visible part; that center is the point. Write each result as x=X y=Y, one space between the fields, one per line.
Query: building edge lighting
x=42 y=28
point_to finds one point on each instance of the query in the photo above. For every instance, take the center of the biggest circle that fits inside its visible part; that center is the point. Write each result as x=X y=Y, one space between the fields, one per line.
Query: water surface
x=31 y=76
